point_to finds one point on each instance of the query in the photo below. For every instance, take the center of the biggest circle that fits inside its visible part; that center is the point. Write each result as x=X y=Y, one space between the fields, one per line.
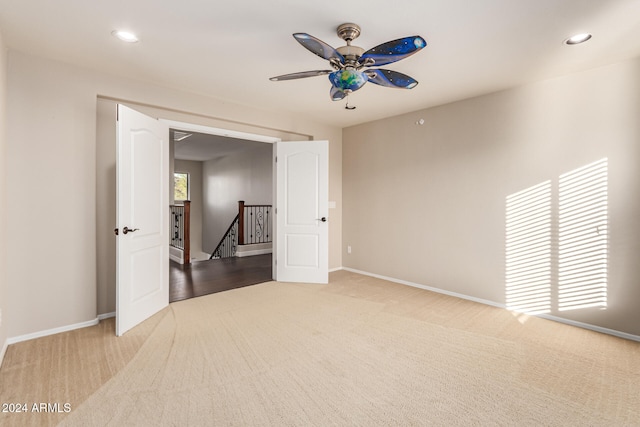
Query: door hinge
x=276 y=159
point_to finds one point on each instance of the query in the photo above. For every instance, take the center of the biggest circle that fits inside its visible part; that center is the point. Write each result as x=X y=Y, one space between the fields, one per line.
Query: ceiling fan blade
x=394 y=50
x=336 y=94
x=318 y=47
x=390 y=78
x=300 y=75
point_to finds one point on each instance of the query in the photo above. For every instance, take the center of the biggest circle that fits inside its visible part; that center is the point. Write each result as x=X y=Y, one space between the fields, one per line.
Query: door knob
x=126 y=230
x=323 y=219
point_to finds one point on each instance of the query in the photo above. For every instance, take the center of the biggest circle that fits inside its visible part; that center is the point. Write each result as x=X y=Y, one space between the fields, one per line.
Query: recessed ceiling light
x=578 y=38
x=125 y=36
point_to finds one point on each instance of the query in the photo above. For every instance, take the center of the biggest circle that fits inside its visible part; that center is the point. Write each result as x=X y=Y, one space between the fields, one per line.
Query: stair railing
x=229 y=242
x=251 y=225
x=180 y=232
x=255 y=223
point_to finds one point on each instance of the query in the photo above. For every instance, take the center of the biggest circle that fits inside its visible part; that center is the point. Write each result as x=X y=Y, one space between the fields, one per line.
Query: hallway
x=208 y=277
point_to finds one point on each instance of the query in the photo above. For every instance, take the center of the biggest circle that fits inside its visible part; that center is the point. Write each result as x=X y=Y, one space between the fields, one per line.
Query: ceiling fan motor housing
x=351 y=54
x=348 y=32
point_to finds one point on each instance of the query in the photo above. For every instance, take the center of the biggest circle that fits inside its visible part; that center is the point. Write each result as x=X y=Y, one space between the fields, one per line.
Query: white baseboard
x=254 y=249
x=45 y=333
x=200 y=256
x=106 y=315
x=176 y=255
x=3 y=351
x=595 y=328
x=498 y=305
x=53 y=331
x=253 y=252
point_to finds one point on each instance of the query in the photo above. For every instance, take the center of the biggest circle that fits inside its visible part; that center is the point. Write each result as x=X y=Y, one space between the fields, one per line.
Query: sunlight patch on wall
x=557 y=243
x=528 y=250
x=582 y=254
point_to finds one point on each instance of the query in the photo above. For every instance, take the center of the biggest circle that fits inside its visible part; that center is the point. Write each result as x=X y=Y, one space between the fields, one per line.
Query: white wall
x=194 y=169
x=3 y=197
x=51 y=132
x=426 y=204
x=105 y=202
x=245 y=176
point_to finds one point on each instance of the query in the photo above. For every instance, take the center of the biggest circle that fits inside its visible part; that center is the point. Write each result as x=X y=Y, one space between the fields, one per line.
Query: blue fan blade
x=395 y=50
x=336 y=94
x=390 y=78
x=317 y=46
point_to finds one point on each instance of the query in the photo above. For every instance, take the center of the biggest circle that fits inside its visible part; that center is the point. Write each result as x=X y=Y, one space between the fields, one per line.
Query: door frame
x=190 y=127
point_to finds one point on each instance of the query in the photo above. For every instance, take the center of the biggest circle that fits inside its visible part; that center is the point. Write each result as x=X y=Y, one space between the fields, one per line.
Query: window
x=181 y=186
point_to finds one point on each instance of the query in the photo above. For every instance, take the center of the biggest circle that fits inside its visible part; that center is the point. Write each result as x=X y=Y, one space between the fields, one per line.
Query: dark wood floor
x=207 y=277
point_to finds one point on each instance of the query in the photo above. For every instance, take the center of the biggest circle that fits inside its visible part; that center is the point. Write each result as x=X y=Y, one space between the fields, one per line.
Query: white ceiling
x=203 y=147
x=228 y=50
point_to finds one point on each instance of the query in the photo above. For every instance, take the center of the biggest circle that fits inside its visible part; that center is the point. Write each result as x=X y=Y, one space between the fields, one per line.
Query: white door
x=302 y=240
x=142 y=218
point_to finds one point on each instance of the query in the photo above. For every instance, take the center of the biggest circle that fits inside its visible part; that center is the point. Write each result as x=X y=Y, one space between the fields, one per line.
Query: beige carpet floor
x=358 y=352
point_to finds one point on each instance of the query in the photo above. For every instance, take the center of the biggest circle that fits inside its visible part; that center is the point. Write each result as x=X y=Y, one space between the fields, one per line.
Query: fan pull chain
x=347 y=106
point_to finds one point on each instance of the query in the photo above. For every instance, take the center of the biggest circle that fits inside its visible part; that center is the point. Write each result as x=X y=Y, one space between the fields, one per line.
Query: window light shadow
x=528 y=251
x=563 y=255
x=582 y=240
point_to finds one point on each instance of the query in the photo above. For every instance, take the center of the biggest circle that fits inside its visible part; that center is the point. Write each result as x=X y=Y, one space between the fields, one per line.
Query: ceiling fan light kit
x=351 y=63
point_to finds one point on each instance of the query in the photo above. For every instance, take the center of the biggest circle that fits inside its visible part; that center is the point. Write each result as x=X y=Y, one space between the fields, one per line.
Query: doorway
x=214 y=172
x=293 y=191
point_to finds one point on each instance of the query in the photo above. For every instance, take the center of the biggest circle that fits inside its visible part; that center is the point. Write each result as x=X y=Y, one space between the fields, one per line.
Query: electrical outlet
x=349 y=249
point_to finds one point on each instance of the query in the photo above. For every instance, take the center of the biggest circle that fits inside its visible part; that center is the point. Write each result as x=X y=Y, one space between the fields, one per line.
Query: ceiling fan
x=351 y=63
